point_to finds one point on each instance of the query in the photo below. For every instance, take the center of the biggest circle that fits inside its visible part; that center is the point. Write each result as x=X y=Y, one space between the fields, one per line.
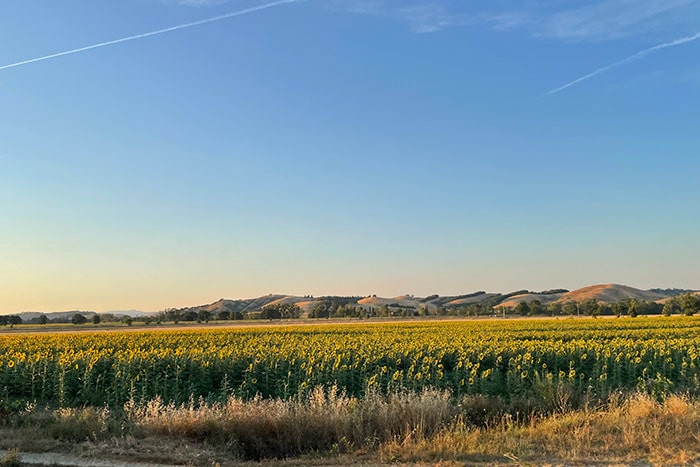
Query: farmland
x=487 y=390
x=527 y=363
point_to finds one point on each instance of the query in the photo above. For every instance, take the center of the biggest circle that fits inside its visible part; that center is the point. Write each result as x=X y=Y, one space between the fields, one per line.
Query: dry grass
x=328 y=427
x=635 y=429
x=609 y=293
x=326 y=421
x=513 y=301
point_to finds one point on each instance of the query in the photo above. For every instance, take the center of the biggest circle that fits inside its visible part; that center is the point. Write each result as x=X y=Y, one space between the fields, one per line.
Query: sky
x=344 y=147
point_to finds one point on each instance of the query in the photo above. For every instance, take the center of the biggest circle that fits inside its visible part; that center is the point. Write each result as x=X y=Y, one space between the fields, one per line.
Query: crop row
x=497 y=358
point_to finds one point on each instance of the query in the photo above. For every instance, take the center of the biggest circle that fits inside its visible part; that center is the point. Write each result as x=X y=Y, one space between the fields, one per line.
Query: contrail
x=631 y=58
x=148 y=34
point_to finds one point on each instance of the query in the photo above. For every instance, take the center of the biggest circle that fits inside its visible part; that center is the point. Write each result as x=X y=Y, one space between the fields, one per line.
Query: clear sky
x=344 y=147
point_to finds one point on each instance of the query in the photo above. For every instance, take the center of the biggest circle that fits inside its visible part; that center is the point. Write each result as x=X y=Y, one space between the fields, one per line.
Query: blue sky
x=344 y=147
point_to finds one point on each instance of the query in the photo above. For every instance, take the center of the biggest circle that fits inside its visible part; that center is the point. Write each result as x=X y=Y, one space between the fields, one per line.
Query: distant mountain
x=65 y=316
x=132 y=313
x=54 y=316
x=604 y=293
x=610 y=293
x=671 y=292
x=544 y=299
x=242 y=305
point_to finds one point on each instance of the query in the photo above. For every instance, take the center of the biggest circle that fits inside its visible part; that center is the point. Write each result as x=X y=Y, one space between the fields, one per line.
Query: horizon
x=162 y=152
x=315 y=296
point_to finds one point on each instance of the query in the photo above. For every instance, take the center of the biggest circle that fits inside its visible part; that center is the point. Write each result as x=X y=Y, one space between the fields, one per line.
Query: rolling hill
x=604 y=293
x=610 y=293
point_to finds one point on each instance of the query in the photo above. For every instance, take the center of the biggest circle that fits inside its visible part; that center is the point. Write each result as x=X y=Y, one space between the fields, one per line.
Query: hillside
x=242 y=305
x=544 y=299
x=609 y=293
x=604 y=293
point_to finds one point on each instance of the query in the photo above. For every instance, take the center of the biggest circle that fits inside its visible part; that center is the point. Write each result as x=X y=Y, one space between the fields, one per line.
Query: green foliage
x=554 y=309
x=513 y=360
x=522 y=308
x=281 y=311
x=688 y=303
x=10 y=319
x=78 y=319
x=569 y=308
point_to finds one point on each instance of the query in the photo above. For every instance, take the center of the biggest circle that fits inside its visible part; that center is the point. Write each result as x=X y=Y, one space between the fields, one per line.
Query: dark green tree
x=224 y=315
x=536 y=308
x=554 y=309
x=569 y=308
x=633 y=308
x=14 y=319
x=671 y=307
x=688 y=303
x=78 y=319
x=203 y=315
x=522 y=308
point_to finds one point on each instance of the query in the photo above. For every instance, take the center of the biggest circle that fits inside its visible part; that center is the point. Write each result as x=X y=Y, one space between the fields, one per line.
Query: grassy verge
x=328 y=427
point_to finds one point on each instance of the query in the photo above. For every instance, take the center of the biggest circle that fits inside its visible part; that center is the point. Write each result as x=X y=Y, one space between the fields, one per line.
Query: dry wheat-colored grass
x=325 y=421
x=331 y=428
x=637 y=428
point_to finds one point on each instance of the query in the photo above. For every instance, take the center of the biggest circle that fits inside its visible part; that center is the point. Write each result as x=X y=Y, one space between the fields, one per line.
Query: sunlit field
x=571 y=390
x=526 y=361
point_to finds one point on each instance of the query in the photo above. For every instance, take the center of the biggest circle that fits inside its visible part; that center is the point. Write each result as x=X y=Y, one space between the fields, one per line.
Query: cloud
x=637 y=56
x=594 y=20
x=148 y=34
x=420 y=16
x=613 y=19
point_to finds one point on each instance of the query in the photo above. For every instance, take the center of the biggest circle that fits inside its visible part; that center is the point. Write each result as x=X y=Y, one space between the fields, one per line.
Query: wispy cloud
x=420 y=16
x=595 y=20
x=631 y=58
x=571 y=20
x=147 y=34
x=613 y=19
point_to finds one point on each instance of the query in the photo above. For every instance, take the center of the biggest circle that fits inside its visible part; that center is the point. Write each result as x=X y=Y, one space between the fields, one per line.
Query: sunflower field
x=502 y=358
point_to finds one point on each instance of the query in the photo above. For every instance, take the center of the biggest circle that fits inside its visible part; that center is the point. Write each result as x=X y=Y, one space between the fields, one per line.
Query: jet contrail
x=147 y=34
x=631 y=58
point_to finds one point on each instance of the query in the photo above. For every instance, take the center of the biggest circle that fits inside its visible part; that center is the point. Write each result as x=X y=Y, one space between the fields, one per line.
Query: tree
x=688 y=303
x=604 y=309
x=78 y=319
x=589 y=306
x=671 y=307
x=522 y=308
x=320 y=310
x=43 y=319
x=271 y=312
x=14 y=319
x=620 y=308
x=236 y=315
x=224 y=315
x=96 y=319
x=554 y=309
x=203 y=315
x=536 y=308
x=569 y=308
x=632 y=308
x=281 y=311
